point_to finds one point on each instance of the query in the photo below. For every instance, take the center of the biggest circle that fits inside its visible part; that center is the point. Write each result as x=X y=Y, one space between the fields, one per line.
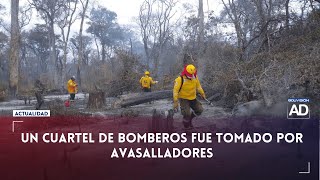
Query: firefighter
x=72 y=88
x=184 y=92
x=146 y=82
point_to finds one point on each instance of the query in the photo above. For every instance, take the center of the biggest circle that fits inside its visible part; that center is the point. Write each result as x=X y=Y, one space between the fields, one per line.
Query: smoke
x=258 y=108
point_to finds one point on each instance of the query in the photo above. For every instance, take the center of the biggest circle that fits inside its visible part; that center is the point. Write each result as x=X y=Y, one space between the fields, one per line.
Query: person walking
x=39 y=90
x=146 y=82
x=185 y=89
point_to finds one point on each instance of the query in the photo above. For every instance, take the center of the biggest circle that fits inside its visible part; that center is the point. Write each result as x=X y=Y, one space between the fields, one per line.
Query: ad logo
x=298 y=108
x=31 y=113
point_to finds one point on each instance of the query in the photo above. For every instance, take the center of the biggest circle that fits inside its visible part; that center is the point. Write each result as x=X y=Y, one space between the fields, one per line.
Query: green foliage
x=37 y=40
x=129 y=71
x=103 y=25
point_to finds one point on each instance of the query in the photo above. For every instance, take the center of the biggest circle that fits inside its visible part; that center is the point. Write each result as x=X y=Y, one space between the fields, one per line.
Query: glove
x=203 y=96
x=156 y=82
x=175 y=106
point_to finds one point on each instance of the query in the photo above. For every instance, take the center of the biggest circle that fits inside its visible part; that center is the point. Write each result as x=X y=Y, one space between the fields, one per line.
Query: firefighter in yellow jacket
x=185 y=89
x=72 y=88
x=146 y=82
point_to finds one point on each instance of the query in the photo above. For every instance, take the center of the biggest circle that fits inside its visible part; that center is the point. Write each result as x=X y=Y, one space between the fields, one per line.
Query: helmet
x=147 y=73
x=73 y=77
x=191 y=69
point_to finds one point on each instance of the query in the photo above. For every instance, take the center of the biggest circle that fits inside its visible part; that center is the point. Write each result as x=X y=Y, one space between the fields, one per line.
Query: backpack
x=145 y=82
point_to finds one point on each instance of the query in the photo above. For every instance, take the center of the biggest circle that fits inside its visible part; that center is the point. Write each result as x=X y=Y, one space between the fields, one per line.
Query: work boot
x=191 y=125
x=192 y=116
x=72 y=104
x=186 y=123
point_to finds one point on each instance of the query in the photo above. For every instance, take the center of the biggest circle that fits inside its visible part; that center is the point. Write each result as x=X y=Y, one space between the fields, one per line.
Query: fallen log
x=215 y=97
x=144 y=97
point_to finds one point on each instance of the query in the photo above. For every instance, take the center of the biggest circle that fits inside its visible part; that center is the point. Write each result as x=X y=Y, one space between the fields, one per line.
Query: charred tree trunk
x=287 y=14
x=162 y=121
x=80 y=52
x=14 y=48
x=144 y=98
x=201 y=27
x=53 y=64
x=68 y=21
x=103 y=52
x=96 y=100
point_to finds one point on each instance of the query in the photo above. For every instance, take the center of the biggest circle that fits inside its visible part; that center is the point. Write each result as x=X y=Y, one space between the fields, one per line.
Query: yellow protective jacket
x=72 y=86
x=146 y=81
x=188 y=89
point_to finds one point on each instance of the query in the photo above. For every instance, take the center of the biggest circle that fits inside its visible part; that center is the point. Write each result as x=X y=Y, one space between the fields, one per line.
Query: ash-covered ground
x=141 y=110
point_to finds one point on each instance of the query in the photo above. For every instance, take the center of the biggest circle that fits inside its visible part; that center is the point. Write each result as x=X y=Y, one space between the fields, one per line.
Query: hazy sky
x=127 y=9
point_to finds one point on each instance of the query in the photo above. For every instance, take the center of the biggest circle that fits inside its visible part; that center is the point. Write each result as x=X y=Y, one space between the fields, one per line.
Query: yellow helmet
x=147 y=73
x=191 y=69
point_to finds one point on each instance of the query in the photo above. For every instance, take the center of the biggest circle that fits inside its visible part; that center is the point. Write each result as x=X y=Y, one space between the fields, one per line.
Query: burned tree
x=155 y=21
x=14 y=48
x=49 y=11
x=84 y=5
x=96 y=100
x=64 y=23
x=201 y=27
